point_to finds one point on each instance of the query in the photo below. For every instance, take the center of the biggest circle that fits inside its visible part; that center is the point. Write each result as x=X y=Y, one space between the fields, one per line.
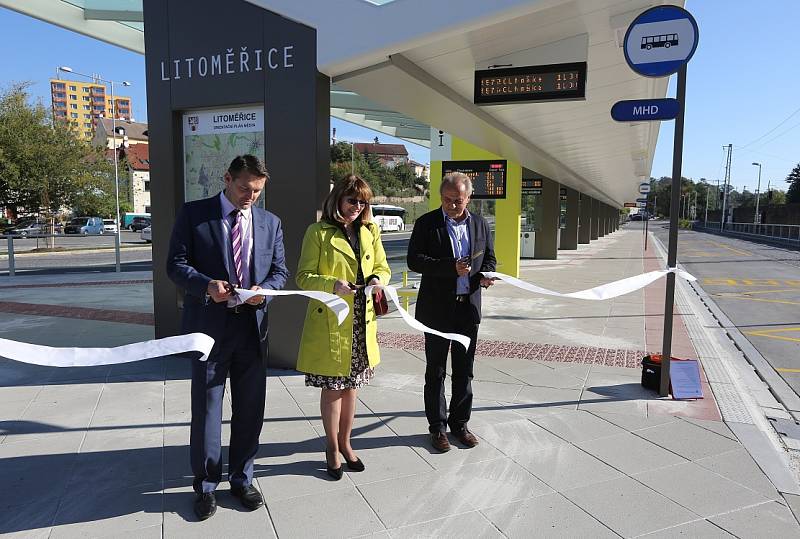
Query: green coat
x=326 y=256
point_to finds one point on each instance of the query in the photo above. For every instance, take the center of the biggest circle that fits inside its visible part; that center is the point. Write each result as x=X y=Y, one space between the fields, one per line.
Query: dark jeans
x=238 y=354
x=436 y=349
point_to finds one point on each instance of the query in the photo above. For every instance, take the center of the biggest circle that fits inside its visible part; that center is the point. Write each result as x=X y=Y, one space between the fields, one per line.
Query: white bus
x=388 y=217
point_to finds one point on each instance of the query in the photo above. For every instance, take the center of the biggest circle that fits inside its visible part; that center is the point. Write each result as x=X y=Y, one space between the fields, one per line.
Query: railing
x=784 y=234
x=53 y=243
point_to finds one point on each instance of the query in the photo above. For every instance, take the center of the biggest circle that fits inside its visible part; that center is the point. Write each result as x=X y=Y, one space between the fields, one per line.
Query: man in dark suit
x=450 y=247
x=217 y=244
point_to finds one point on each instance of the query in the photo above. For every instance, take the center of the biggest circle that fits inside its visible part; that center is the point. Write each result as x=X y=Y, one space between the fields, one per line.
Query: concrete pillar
x=585 y=221
x=594 y=219
x=569 y=235
x=615 y=219
x=547 y=216
x=602 y=224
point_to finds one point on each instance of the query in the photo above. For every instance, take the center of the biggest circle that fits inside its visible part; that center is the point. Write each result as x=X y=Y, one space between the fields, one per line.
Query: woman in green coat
x=341 y=254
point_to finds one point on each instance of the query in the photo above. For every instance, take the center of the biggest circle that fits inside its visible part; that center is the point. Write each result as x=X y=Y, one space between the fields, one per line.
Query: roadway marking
x=700 y=254
x=771 y=334
x=783 y=301
x=787 y=370
x=737 y=251
x=727 y=281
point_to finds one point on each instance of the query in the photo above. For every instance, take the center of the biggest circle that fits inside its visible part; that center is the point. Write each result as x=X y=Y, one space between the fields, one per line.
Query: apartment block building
x=84 y=103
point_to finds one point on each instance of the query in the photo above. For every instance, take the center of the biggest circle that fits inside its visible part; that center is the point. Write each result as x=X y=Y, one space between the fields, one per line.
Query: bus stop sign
x=660 y=40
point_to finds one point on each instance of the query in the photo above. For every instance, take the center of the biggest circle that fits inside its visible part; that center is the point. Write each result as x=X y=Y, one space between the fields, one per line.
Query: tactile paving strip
x=540 y=352
x=730 y=402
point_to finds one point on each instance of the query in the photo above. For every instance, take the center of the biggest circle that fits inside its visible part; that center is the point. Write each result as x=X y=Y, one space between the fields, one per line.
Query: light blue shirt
x=459 y=239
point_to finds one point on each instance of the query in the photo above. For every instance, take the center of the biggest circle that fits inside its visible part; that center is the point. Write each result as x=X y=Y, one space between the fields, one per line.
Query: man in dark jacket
x=219 y=243
x=451 y=248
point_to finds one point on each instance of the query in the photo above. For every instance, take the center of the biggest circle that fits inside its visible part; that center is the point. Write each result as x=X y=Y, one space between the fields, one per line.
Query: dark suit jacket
x=199 y=251
x=431 y=254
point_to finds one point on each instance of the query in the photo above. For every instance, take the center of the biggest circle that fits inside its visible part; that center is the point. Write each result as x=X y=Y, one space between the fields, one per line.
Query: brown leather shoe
x=440 y=442
x=466 y=437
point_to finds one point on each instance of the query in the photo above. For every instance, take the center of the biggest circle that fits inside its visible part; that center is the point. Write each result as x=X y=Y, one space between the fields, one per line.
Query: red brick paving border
x=532 y=351
x=85 y=283
x=82 y=313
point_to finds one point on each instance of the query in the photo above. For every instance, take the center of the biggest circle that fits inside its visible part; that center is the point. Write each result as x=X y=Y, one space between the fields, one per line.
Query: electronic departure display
x=553 y=82
x=532 y=183
x=488 y=177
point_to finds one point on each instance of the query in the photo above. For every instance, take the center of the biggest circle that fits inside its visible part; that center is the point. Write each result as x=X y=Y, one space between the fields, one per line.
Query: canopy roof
x=409 y=64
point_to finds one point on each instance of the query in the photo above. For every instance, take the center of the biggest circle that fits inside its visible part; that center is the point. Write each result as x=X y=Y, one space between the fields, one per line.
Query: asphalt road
x=71 y=241
x=96 y=254
x=756 y=286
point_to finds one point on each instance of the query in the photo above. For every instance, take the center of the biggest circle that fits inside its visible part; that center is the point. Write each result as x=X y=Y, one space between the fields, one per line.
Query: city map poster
x=211 y=139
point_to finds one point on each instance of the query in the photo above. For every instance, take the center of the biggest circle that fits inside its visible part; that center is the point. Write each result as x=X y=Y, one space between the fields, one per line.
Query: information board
x=488 y=177
x=553 y=82
x=211 y=139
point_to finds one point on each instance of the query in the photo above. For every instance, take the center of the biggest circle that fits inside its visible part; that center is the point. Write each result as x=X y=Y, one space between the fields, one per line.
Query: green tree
x=404 y=175
x=793 y=179
x=97 y=198
x=44 y=164
x=340 y=152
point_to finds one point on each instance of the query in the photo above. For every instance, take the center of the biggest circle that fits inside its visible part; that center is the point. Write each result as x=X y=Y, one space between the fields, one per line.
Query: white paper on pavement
x=331 y=301
x=598 y=293
x=49 y=356
x=391 y=291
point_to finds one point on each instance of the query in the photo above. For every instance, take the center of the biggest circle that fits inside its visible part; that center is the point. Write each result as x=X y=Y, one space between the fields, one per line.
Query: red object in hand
x=379 y=303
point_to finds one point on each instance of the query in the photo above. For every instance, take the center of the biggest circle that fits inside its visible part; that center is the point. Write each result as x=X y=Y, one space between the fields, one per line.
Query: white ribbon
x=331 y=301
x=200 y=342
x=90 y=357
x=391 y=291
x=598 y=293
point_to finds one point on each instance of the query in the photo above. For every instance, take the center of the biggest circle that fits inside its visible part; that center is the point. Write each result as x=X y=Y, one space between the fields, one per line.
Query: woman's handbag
x=379 y=302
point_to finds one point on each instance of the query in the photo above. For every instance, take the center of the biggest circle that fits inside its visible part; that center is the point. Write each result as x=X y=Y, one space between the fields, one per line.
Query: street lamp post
x=118 y=235
x=757 y=217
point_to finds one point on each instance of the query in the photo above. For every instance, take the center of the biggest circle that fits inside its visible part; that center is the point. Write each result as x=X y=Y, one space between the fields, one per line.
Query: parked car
x=139 y=223
x=84 y=225
x=30 y=227
x=25 y=228
x=147 y=234
x=109 y=226
x=636 y=217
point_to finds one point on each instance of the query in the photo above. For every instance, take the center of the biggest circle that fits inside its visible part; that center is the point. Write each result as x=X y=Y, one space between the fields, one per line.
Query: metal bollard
x=10 y=256
x=405 y=284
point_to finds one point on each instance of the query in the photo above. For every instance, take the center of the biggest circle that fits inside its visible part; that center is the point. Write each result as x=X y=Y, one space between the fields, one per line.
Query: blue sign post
x=658 y=43
x=643 y=110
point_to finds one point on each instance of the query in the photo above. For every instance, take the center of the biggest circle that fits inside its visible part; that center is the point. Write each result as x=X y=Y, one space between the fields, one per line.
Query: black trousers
x=239 y=355
x=436 y=349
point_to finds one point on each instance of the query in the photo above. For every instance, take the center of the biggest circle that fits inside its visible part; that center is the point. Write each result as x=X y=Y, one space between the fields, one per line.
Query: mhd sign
x=641 y=110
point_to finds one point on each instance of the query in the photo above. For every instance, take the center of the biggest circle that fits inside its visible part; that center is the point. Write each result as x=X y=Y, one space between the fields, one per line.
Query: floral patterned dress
x=360 y=372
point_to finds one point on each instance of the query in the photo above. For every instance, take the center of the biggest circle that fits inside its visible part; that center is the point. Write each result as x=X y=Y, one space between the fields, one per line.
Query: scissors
x=231 y=289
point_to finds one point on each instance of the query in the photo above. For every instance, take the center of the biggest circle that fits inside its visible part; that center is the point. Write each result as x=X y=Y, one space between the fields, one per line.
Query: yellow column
x=507 y=210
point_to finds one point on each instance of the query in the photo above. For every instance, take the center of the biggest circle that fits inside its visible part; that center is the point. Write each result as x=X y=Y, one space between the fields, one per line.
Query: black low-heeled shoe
x=335 y=473
x=354 y=465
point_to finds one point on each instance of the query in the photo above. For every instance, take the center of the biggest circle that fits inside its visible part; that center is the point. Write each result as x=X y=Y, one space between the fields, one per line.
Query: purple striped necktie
x=236 y=244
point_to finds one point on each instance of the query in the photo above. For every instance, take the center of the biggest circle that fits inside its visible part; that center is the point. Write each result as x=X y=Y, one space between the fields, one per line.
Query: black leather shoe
x=249 y=496
x=205 y=505
x=335 y=473
x=355 y=465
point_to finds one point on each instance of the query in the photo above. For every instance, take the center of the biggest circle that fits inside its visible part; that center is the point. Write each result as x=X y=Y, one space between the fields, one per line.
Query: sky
x=742 y=86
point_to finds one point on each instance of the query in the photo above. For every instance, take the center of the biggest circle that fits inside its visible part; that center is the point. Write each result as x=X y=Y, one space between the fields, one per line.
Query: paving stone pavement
x=107 y=456
x=567 y=448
